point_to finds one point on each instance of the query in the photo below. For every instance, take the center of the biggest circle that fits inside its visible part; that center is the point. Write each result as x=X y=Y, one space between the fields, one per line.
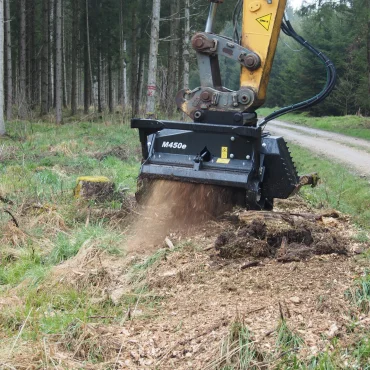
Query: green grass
x=359 y=294
x=348 y=125
x=29 y=266
x=287 y=340
x=67 y=246
x=238 y=349
x=338 y=188
x=44 y=160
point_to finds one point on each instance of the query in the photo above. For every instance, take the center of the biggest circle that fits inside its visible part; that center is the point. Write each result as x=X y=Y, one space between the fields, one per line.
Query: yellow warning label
x=223 y=161
x=265 y=21
x=224 y=151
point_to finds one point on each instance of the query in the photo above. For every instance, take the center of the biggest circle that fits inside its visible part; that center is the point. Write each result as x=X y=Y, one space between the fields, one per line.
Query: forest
x=64 y=57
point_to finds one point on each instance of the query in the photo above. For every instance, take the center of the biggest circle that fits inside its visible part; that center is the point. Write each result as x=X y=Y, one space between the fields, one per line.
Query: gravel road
x=353 y=152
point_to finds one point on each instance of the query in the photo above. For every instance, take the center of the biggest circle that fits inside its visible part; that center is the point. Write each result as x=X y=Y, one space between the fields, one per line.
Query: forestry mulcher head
x=225 y=145
x=258 y=166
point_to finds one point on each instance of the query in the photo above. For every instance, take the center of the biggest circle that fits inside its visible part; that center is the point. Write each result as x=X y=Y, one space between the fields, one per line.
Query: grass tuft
x=238 y=350
x=359 y=294
x=287 y=340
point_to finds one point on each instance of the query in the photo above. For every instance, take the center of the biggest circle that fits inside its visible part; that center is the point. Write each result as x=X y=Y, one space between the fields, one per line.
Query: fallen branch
x=102 y=317
x=13 y=218
x=249 y=264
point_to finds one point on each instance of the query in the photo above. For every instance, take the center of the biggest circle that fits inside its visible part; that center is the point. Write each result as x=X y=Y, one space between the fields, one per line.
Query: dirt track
x=353 y=152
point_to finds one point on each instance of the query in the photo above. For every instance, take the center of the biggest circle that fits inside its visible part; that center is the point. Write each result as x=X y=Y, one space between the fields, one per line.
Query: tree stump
x=98 y=188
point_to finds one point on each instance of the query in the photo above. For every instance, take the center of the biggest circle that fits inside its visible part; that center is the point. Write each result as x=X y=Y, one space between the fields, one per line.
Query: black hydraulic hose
x=236 y=14
x=288 y=29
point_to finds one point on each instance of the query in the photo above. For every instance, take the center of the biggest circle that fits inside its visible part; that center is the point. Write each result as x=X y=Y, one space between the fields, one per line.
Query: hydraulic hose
x=331 y=78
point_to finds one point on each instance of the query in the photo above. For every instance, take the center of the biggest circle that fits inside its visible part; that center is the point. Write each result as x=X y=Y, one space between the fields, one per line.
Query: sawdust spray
x=170 y=206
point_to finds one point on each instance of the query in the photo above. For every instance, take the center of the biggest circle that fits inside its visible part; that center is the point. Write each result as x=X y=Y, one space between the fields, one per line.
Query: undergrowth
x=338 y=188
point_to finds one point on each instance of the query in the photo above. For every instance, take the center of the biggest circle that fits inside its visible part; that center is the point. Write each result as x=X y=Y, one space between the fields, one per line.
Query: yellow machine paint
x=260 y=33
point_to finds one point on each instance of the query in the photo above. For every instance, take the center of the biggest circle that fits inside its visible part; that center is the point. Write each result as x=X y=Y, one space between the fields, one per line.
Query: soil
x=212 y=271
x=283 y=237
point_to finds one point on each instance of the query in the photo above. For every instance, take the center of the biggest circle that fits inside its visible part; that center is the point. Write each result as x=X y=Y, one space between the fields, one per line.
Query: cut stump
x=98 y=188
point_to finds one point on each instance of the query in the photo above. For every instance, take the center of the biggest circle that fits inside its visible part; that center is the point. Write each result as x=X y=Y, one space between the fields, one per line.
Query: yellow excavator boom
x=260 y=32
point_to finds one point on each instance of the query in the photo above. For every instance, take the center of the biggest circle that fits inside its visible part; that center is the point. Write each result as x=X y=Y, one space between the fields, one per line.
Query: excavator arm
x=261 y=23
x=225 y=145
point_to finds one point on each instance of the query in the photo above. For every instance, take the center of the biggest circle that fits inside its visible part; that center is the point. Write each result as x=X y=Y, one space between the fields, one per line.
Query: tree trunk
x=173 y=58
x=92 y=92
x=58 y=64
x=368 y=44
x=9 y=67
x=51 y=56
x=75 y=33
x=110 y=85
x=121 y=49
x=44 y=60
x=86 y=69
x=141 y=77
x=100 y=107
x=153 y=61
x=2 y=123
x=186 y=54
x=124 y=77
x=32 y=69
x=64 y=71
x=133 y=60
x=23 y=63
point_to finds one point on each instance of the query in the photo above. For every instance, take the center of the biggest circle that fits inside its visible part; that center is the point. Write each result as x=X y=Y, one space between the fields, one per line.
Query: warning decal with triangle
x=265 y=21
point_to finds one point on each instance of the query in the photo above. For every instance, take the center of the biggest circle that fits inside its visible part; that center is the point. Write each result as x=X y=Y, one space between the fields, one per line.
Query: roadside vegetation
x=339 y=188
x=355 y=126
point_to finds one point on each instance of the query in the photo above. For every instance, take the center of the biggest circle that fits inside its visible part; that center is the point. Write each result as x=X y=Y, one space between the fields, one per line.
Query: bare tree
x=9 y=67
x=173 y=65
x=58 y=69
x=368 y=41
x=153 y=59
x=51 y=55
x=123 y=51
x=89 y=53
x=75 y=34
x=186 y=53
x=2 y=123
x=23 y=60
x=45 y=59
x=134 y=72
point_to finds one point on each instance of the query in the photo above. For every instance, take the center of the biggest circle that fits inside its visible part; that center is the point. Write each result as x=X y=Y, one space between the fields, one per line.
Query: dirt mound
x=282 y=235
